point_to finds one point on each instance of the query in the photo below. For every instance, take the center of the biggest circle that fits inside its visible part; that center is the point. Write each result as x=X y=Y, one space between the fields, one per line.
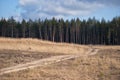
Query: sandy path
x=43 y=62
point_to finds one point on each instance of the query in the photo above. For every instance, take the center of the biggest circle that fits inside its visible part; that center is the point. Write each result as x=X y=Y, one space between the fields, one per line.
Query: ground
x=104 y=65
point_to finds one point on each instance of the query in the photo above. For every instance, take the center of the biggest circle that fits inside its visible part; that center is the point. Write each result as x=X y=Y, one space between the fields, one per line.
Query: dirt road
x=43 y=62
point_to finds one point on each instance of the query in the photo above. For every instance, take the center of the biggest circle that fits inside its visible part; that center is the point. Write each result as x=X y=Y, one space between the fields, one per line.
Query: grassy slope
x=103 y=66
x=41 y=46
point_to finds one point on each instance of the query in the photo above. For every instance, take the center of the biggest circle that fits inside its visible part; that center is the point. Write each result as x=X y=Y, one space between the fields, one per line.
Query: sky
x=66 y=9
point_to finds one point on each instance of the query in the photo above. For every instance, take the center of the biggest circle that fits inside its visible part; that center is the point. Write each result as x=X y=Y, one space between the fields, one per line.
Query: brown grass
x=41 y=46
x=103 y=66
x=10 y=58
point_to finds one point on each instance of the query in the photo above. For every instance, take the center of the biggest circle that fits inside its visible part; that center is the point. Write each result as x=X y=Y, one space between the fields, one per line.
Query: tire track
x=43 y=62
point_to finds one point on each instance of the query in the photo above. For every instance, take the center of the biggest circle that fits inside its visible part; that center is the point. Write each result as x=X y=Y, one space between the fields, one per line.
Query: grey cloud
x=57 y=8
x=111 y=2
x=105 y=2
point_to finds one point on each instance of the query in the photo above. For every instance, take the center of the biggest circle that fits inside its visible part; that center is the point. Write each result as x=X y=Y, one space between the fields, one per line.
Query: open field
x=41 y=46
x=103 y=65
x=13 y=57
x=19 y=51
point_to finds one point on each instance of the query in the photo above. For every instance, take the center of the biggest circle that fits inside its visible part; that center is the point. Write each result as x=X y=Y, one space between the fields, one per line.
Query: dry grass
x=103 y=66
x=14 y=57
x=41 y=46
x=17 y=51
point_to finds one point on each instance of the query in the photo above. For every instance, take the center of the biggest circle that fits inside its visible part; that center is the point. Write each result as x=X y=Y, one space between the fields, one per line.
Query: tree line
x=77 y=31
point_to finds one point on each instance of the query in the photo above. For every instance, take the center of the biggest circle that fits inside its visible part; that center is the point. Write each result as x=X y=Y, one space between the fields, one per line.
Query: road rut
x=45 y=61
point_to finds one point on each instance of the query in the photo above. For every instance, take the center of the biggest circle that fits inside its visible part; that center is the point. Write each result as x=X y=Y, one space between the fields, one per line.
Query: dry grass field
x=105 y=65
x=13 y=57
x=40 y=46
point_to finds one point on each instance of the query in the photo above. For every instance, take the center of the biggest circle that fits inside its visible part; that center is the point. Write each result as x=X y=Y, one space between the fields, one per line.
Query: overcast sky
x=66 y=9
